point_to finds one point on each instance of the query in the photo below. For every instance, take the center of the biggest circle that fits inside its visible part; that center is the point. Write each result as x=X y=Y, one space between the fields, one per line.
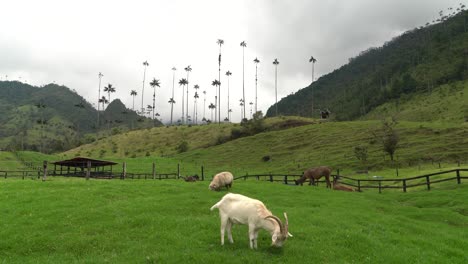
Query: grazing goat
x=340 y=187
x=191 y=178
x=240 y=209
x=314 y=174
x=222 y=179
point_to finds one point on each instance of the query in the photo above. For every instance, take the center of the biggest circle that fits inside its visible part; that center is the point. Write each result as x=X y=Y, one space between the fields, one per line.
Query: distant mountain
x=55 y=118
x=415 y=62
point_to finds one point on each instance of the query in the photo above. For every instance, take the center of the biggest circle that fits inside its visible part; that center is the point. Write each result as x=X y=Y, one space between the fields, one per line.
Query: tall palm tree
x=171 y=101
x=219 y=42
x=104 y=101
x=196 y=87
x=256 y=61
x=242 y=108
x=154 y=83
x=100 y=75
x=109 y=89
x=229 y=114
x=211 y=107
x=188 y=69
x=243 y=44
x=228 y=74
x=313 y=61
x=183 y=82
x=195 y=108
x=133 y=93
x=250 y=109
x=204 y=105
x=216 y=83
x=276 y=62
x=145 y=64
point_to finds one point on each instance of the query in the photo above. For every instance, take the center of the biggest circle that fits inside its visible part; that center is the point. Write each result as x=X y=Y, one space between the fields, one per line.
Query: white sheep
x=222 y=179
x=240 y=209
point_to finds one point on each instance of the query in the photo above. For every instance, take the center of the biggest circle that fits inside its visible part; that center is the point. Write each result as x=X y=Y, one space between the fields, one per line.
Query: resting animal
x=340 y=187
x=314 y=174
x=240 y=209
x=222 y=179
x=191 y=178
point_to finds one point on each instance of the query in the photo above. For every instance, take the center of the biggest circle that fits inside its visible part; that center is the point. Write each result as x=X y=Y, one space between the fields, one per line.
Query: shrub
x=182 y=147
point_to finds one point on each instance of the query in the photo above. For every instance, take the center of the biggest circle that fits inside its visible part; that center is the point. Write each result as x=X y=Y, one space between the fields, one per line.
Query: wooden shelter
x=84 y=167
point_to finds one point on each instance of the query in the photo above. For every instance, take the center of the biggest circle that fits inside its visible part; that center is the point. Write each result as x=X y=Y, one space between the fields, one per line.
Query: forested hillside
x=417 y=61
x=55 y=118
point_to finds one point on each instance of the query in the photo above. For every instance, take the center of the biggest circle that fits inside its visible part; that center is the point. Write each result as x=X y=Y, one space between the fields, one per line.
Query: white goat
x=222 y=179
x=240 y=209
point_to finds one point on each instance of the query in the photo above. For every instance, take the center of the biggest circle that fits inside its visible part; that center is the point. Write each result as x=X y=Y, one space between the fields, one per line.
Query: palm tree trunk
x=204 y=106
x=186 y=119
x=133 y=106
x=154 y=99
x=229 y=119
x=256 y=88
x=99 y=97
x=183 y=113
x=173 y=84
x=142 y=91
x=219 y=86
x=243 y=80
x=276 y=90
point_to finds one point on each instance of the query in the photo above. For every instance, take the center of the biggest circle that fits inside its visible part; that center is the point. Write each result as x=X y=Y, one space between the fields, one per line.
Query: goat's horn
x=286 y=224
x=279 y=222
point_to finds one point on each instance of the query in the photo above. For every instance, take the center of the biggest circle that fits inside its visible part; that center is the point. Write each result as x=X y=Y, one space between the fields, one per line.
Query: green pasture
x=136 y=221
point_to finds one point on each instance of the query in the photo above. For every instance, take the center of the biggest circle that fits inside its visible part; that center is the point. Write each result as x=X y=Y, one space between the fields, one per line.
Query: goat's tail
x=215 y=206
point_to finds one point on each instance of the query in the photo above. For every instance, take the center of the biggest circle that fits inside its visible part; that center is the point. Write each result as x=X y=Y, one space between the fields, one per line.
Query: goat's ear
x=274 y=238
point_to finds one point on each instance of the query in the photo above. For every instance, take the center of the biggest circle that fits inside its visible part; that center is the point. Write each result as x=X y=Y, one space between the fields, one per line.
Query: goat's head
x=279 y=237
x=214 y=187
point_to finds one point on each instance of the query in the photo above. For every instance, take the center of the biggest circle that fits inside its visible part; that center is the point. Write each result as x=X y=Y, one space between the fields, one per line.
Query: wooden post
x=44 y=165
x=271 y=178
x=380 y=186
x=178 y=170
x=428 y=183
x=154 y=170
x=202 y=174
x=458 y=176
x=286 y=179
x=404 y=185
x=124 y=170
x=88 y=171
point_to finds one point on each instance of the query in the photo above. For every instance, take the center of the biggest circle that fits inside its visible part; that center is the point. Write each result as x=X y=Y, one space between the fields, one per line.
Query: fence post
x=88 y=171
x=178 y=170
x=271 y=178
x=458 y=176
x=428 y=183
x=202 y=174
x=380 y=186
x=286 y=179
x=359 y=185
x=124 y=170
x=44 y=177
x=404 y=185
x=154 y=170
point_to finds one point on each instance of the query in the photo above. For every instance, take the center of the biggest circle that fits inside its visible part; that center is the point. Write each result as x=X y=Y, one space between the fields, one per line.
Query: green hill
x=416 y=62
x=55 y=118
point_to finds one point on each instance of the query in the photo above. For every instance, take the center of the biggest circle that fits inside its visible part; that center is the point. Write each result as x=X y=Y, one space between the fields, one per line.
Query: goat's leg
x=224 y=221
x=252 y=236
x=255 y=239
x=229 y=227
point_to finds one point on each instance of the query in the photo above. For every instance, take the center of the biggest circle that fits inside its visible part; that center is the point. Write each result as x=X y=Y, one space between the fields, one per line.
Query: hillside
x=55 y=118
x=418 y=61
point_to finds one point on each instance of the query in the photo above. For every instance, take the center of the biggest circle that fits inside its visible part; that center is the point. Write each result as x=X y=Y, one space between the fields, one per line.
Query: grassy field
x=97 y=221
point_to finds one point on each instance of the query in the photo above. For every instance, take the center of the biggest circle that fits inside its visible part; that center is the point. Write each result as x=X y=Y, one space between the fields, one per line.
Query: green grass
x=77 y=221
x=8 y=161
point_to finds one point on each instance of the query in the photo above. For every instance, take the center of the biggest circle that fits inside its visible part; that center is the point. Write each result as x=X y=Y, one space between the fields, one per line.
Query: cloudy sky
x=70 y=42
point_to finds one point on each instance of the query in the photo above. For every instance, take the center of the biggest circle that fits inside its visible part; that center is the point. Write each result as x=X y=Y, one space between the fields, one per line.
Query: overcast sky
x=70 y=42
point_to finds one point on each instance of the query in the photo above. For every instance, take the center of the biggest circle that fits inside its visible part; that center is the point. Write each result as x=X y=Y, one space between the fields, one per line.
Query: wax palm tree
x=195 y=108
x=228 y=74
x=220 y=42
x=313 y=61
x=204 y=105
x=171 y=101
x=229 y=114
x=183 y=82
x=242 y=108
x=243 y=44
x=188 y=69
x=276 y=62
x=196 y=87
x=215 y=83
x=251 y=103
x=145 y=64
x=103 y=101
x=154 y=83
x=133 y=93
x=100 y=75
x=211 y=107
x=256 y=61
x=109 y=89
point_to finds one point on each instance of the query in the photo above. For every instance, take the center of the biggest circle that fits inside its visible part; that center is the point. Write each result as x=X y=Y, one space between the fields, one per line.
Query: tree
x=103 y=101
x=388 y=136
x=171 y=101
x=251 y=103
x=276 y=62
x=313 y=61
x=145 y=64
x=361 y=153
x=243 y=44
x=216 y=83
x=188 y=69
x=183 y=82
x=100 y=75
x=195 y=106
x=109 y=89
x=211 y=107
x=154 y=83
x=219 y=42
x=133 y=93
x=242 y=108
x=228 y=74
x=256 y=61
x=204 y=105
